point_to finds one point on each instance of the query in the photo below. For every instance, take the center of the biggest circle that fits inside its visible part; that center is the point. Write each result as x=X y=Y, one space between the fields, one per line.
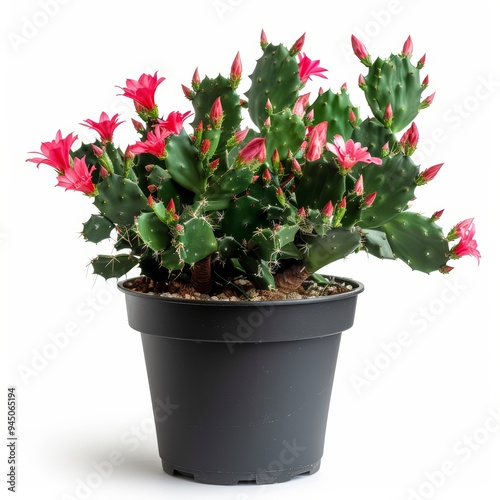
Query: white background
x=394 y=421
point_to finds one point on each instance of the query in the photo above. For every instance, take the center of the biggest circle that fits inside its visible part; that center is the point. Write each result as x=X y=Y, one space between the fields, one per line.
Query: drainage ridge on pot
x=241 y=390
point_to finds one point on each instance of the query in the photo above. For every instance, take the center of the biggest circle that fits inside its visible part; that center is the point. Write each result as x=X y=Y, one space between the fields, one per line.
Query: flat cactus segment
x=97 y=228
x=321 y=182
x=226 y=187
x=394 y=182
x=286 y=133
x=375 y=242
x=242 y=218
x=373 y=135
x=120 y=199
x=417 y=241
x=182 y=163
x=275 y=78
x=113 y=266
x=395 y=81
x=153 y=231
x=210 y=89
x=198 y=240
x=336 y=110
x=333 y=245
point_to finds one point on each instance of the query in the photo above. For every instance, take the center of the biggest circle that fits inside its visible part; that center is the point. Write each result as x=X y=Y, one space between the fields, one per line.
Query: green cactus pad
x=97 y=228
x=183 y=165
x=226 y=187
x=335 y=109
x=333 y=245
x=258 y=271
x=286 y=133
x=375 y=243
x=394 y=182
x=373 y=135
x=208 y=92
x=113 y=266
x=242 y=218
x=275 y=77
x=321 y=182
x=270 y=242
x=417 y=241
x=228 y=247
x=395 y=81
x=198 y=240
x=153 y=231
x=120 y=199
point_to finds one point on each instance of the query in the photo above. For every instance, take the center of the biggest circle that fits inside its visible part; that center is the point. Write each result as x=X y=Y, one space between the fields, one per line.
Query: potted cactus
x=230 y=223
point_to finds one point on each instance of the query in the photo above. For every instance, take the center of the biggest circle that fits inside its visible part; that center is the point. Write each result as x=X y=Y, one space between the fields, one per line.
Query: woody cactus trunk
x=312 y=183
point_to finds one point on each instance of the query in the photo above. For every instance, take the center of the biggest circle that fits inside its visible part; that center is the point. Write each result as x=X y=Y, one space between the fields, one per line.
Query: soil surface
x=240 y=290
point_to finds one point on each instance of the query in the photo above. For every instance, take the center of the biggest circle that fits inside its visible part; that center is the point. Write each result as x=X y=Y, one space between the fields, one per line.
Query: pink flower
x=105 y=127
x=467 y=245
x=173 y=123
x=349 y=153
x=409 y=140
x=263 y=39
x=154 y=143
x=317 y=141
x=142 y=91
x=427 y=101
x=300 y=106
x=56 y=152
x=308 y=68
x=254 y=150
x=78 y=177
x=360 y=51
x=460 y=230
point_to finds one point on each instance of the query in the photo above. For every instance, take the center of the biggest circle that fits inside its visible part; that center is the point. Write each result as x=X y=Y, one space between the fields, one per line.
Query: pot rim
x=358 y=287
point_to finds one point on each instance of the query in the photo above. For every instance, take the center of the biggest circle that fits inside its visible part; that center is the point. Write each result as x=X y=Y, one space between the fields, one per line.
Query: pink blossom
x=460 y=230
x=174 y=122
x=349 y=153
x=467 y=245
x=142 y=91
x=154 y=143
x=56 y=152
x=105 y=127
x=308 y=68
x=78 y=177
x=300 y=106
x=388 y=115
x=317 y=141
x=254 y=150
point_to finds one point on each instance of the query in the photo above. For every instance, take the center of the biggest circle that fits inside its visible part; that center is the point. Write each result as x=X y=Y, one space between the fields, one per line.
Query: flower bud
x=408 y=47
x=297 y=46
x=360 y=51
x=370 y=198
x=358 y=187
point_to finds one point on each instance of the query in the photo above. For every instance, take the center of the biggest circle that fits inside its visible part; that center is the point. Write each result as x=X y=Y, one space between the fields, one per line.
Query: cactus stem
x=291 y=278
x=201 y=275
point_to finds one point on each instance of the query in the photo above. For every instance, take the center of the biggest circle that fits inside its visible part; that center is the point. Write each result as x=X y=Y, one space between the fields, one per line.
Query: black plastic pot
x=241 y=390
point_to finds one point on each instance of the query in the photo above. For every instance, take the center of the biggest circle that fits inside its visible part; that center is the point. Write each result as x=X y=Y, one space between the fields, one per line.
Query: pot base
x=232 y=478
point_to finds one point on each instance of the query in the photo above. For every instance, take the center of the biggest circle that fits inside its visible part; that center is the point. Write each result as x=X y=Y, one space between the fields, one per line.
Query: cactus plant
x=311 y=183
